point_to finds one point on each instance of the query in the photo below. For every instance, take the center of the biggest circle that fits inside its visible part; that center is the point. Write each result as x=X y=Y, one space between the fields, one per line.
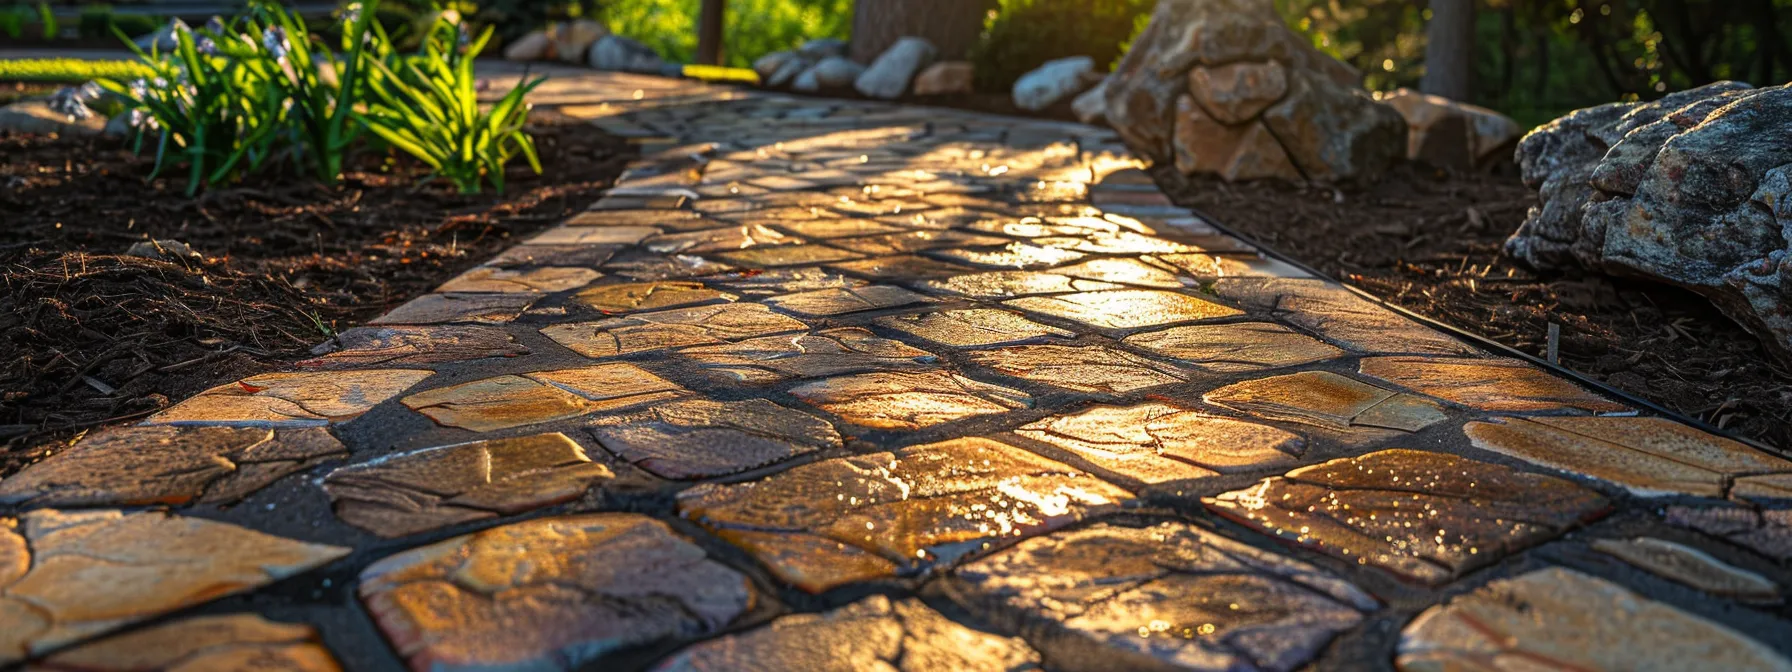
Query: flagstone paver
x=868 y=350
x=228 y=642
x=425 y=489
x=647 y=332
x=407 y=346
x=66 y=576
x=912 y=508
x=1326 y=399
x=1157 y=443
x=169 y=465
x=875 y=633
x=550 y=593
x=1168 y=596
x=517 y=400
x=1563 y=619
x=1647 y=456
x=291 y=399
x=699 y=438
x=1692 y=567
x=1426 y=517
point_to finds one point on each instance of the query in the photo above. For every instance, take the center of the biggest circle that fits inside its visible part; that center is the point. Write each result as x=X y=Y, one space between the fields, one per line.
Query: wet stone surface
x=228 y=642
x=631 y=297
x=66 y=576
x=538 y=280
x=1168 y=596
x=1124 y=309
x=517 y=400
x=701 y=438
x=909 y=400
x=1338 y=316
x=1488 y=384
x=1158 y=443
x=169 y=465
x=1647 y=456
x=875 y=633
x=1093 y=369
x=1426 y=517
x=1326 y=399
x=549 y=594
x=829 y=302
x=1005 y=284
x=403 y=345
x=971 y=328
x=1562 y=619
x=291 y=399
x=1692 y=567
x=812 y=355
x=447 y=308
x=1245 y=347
x=421 y=490
x=667 y=329
x=821 y=525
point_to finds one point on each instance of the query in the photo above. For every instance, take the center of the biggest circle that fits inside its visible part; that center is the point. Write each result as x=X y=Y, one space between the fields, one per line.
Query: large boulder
x=889 y=75
x=946 y=77
x=1693 y=190
x=1208 y=82
x=1055 y=81
x=1447 y=133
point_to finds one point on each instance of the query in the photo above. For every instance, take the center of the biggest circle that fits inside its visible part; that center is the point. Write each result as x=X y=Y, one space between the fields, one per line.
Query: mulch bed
x=93 y=337
x=1430 y=241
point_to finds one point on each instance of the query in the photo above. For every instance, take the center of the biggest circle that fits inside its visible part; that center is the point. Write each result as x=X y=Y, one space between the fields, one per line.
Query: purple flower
x=274 y=39
x=69 y=102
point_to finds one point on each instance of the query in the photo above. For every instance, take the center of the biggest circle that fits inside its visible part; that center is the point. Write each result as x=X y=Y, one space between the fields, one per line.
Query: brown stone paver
x=1426 y=517
x=228 y=642
x=551 y=593
x=1169 y=596
x=1563 y=619
x=869 y=350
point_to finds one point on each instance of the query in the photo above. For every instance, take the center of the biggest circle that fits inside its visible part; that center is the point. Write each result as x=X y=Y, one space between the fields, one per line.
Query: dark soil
x=1430 y=241
x=92 y=337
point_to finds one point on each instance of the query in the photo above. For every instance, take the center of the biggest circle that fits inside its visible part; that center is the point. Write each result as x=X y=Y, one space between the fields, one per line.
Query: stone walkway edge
x=837 y=385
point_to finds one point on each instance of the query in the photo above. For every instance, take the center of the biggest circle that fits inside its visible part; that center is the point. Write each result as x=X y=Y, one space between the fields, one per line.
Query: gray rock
x=771 y=63
x=787 y=72
x=1691 y=190
x=833 y=72
x=819 y=49
x=618 y=53
x=889 y=75
x=165 y=250
x=1055 y=81
x=1092 y=106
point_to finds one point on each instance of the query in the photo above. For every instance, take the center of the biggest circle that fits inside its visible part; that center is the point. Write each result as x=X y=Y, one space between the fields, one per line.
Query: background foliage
x=1022 y=34
x=754 y=27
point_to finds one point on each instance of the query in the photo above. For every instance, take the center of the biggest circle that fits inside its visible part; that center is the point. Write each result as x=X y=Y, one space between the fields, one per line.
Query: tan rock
x=169 y=465
x=1157 y=443
x=945 y=78
x=1650 y=457
x=1335 y=132
x=572 y=39
x=291 y=399
x=1248 y=152
x=917 y=508
x=1483 y=132
x=1236 y=92
x=533 y=46
x=1559 y=618
x=227 y=642
x=421 y=490
x=1692 y=567
x=69 y=576
x=1425 y=517
x=549 y=594
x=507 y=401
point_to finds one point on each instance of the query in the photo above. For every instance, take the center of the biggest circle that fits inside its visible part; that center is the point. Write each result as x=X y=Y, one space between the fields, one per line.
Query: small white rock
x=889 y=75
x=1055 y=81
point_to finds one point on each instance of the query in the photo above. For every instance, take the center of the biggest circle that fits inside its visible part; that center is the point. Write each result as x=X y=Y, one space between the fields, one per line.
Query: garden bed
x=96 y=338
x=1430 y=241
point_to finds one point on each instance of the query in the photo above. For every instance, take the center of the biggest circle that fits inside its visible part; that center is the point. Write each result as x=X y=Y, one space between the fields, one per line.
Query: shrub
x=322 y=86
x=428 y=107
x=1023 y=34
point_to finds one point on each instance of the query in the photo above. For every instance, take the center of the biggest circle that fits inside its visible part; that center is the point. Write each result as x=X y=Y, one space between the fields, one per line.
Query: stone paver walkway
x=844 y=386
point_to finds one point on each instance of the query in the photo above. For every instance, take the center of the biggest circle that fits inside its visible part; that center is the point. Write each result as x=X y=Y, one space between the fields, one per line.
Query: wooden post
x=709 y=32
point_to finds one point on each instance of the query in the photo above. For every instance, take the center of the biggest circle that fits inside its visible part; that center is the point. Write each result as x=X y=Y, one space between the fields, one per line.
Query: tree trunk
x=709 y=32
x=1450 y=49
x=951 y=25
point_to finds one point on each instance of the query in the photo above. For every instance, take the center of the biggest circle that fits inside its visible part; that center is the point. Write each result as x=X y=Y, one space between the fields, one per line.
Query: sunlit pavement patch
x=912 y=509
x=1647 y=456
x=1082 y=368
x=974 y=327
x=291 y=399
x=1326 y=399
x=1159 y=443
x=640 y=296
x=1692 y=567
x=549 y=594
x=410 y=345
x=1562 y=619
x=448 y=308
x=828 y=302
x=540 y=280
x=516 y=400
x=872 y=634
x=1235 y=348
x=699 y=438
x=425 y=489
x=646 y=332
x=169 y=465
x=1169 y=596
x=1488 y=384
x=228 y=642
x=887 y=400
x=1426 y=517
x=1125 y=308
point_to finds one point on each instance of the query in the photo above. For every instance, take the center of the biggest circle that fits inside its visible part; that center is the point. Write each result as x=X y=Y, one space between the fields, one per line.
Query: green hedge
x=71 y=70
